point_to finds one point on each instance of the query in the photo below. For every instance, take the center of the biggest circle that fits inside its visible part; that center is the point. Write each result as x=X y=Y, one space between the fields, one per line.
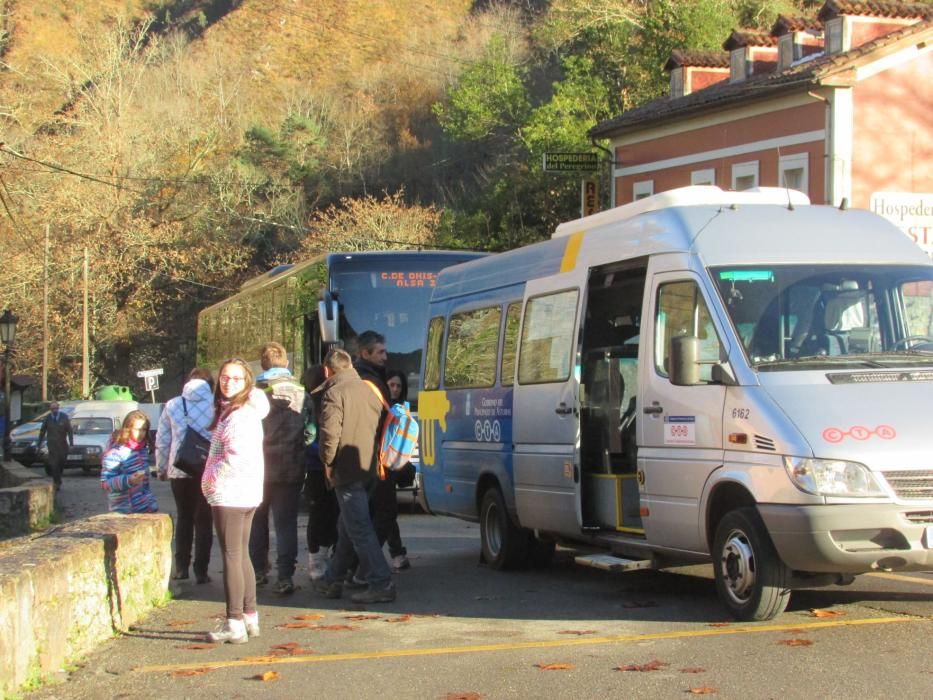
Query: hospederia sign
x=571 y=162
x=912 y=212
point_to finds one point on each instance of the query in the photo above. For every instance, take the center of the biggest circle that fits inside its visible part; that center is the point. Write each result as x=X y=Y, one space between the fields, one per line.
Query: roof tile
x=870 y=8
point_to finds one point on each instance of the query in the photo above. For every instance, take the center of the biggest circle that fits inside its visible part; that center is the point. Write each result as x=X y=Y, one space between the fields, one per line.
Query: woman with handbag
x=193 y=410
x=232 y=483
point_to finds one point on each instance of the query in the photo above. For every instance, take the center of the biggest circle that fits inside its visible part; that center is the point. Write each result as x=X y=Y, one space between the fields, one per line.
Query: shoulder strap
x=378 y=393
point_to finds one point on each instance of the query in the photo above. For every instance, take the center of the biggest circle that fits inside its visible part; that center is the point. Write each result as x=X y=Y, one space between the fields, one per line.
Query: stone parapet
x=64 y=591
x=27 y=500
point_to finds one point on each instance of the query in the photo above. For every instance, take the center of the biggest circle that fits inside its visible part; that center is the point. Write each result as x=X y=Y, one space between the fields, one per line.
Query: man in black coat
x=56 y=430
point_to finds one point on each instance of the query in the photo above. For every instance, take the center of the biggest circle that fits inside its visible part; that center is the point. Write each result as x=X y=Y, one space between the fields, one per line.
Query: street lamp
x=7 y=335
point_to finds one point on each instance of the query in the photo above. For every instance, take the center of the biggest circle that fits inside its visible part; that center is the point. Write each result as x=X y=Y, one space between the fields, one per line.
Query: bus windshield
x=390 y=296
x=813 y=316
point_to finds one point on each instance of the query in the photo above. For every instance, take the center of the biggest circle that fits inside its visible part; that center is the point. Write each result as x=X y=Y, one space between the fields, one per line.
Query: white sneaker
x=317 y=565
x=252 y=624
x=400 y=562
x=232 y=631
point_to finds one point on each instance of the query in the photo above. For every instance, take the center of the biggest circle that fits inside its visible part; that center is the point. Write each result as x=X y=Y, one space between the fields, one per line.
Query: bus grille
x=920 y=517
x=911 y=486
x=764 y=443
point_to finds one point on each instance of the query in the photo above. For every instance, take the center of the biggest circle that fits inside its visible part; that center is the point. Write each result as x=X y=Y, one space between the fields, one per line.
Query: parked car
x=24 y=438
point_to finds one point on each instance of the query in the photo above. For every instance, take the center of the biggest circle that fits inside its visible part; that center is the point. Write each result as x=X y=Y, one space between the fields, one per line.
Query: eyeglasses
x=232 y=380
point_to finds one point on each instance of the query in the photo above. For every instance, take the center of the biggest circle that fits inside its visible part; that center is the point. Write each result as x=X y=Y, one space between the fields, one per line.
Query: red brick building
x=838 y=106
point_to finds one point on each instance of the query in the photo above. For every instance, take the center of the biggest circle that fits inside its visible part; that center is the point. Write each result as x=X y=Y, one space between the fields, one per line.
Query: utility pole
x=85 y=358
x=45 y=319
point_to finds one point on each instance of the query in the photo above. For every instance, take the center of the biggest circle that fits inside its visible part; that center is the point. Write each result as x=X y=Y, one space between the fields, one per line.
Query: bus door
x=546 y=415
x=680 y=427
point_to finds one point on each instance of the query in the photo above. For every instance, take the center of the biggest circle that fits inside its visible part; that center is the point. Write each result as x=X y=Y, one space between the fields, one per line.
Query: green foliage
x=488 y=99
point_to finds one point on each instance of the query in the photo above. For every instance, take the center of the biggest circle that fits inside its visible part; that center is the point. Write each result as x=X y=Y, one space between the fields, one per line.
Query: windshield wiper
x=857 y=360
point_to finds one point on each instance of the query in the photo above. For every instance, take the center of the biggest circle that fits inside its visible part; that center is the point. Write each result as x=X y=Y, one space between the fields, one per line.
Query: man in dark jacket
x=56 y=429
x=283 y=452
x=383 y=501
x=350 y=413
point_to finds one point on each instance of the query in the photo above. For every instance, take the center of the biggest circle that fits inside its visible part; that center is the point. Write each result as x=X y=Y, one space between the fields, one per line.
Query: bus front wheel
x=751 y=579
x=502 y=542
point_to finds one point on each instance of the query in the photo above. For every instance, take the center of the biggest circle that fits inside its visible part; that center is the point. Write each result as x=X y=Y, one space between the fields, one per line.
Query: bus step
x=608 y=562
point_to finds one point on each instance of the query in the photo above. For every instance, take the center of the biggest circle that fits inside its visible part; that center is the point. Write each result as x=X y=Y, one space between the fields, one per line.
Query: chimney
x=750 y=53
x=849 y=24
x=797 y=37
x=694 y=70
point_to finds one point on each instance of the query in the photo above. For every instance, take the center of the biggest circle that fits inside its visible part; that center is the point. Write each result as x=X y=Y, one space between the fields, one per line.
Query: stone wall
x=26 y=500
x=65 y=590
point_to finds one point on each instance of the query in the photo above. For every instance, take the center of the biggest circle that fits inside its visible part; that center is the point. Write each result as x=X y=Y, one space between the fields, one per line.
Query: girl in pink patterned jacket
x=232 y=484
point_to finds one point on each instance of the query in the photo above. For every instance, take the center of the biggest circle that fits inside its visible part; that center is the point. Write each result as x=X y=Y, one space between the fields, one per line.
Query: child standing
x=124 y=473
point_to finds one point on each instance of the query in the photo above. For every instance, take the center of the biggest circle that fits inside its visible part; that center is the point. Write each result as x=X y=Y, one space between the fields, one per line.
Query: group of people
x=272 y=437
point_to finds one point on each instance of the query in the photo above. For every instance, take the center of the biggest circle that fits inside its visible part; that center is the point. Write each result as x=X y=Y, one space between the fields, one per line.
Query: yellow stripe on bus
x=570 y=252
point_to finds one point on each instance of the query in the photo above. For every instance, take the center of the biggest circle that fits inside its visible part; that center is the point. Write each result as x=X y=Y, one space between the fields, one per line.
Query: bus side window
x=681 y=311
x=513 y=317
x=472 y=347
x=547 y=338
x=432 y=359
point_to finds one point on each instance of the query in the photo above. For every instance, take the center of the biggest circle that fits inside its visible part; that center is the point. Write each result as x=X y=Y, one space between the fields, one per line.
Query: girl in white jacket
x=232 y=484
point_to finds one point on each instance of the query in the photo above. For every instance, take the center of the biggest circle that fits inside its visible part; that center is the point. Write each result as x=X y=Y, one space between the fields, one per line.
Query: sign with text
x=150 y=372
x=589 y=197
x=571 y=162
x=912 y=212
x=152 y=382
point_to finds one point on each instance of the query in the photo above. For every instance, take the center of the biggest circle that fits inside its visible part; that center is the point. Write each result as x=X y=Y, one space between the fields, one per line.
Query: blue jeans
x=355 y=533
x=282 y=499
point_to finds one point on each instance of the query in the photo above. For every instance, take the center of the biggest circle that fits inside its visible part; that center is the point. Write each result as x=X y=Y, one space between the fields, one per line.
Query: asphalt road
x=459 y=630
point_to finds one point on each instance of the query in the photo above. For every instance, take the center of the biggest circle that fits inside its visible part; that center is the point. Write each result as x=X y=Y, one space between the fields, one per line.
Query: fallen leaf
x=577 y=632
x=816 y=612
x=297 y=626
x=266 y=676
x=362 y=617
x=795 y=642
x=289 y=649
x=650 y=666
x=702 y=691
x=639 y=604
x=189 y=672
x=180 y=623
x=463 y=696
x=309 y=616
x=554 y=667
x=335 y=628
x=195 y=647
x=718 y=624
x=696 y=669
x=400 y=618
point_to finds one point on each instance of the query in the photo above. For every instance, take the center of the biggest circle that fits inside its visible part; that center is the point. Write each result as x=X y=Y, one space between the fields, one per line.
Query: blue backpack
x=398 y=437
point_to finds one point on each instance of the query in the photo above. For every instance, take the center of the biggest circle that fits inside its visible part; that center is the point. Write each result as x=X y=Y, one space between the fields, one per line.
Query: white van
x=92 y=424
x=700 y=375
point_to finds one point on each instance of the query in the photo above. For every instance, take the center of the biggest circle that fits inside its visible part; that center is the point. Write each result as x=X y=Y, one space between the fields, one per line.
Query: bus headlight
x=832 y=477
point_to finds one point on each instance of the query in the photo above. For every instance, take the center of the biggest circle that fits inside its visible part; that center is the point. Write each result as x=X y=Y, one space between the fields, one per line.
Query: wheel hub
x=738 y=566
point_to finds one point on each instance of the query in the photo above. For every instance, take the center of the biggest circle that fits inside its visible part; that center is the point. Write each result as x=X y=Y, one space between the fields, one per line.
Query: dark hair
x=313 y=377
x=202 y=373
x=272 y=355
x=337 y=360
x=237 y=401
x=403 y=395
x=124 y=433
x=368 y=340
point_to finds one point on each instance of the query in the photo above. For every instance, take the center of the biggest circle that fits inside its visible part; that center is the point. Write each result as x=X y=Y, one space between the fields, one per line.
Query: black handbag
x=192 y=453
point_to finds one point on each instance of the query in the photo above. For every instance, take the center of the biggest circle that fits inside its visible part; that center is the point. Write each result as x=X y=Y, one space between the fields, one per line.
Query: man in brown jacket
x=349 y=420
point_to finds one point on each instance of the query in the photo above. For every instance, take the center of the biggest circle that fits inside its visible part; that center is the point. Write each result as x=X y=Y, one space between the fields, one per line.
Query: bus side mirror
x=327 y=318
x=685 y=356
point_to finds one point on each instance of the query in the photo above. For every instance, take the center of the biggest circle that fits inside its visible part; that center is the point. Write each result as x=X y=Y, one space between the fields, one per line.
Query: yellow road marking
x=901 y=577
x=544 y=644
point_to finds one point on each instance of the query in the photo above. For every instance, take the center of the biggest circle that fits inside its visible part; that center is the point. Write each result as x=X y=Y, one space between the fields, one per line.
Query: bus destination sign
x=408 y=279
x=571 y=162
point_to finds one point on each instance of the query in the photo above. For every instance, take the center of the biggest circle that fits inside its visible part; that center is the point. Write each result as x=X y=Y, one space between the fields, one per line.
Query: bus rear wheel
x=503 y=543
x=751 y=579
